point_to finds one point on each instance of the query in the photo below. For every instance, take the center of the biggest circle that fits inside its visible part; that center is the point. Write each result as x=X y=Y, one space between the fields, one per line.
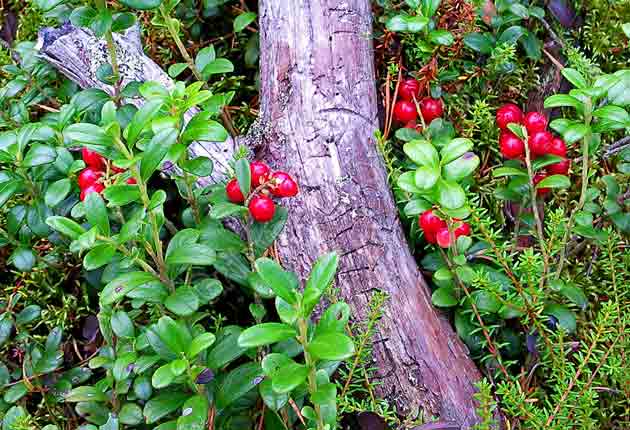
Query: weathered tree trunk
x=319 y=101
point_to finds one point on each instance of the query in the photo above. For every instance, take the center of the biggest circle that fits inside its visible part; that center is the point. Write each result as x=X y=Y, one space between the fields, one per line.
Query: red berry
x=88 y=176
x=93 y=159
x=508 y=113
x=283 y=185
x=431 y=109
x=131 y=181
x=510 y=145
x=559 y=168
x=94 y=188
x=233 y=191
x=536 y=179
x=117 y=169
x=443 y=237
x=558 y=147
x=535 y=121
x=408 y=89
x=430 y=223
x=405 y=111
x=540 y=142
x=259 y=172
x=262 y=208
x=462 y=230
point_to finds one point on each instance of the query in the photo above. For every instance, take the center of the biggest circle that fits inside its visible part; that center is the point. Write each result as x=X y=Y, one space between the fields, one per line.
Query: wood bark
x=77 y=53
x=319 y=101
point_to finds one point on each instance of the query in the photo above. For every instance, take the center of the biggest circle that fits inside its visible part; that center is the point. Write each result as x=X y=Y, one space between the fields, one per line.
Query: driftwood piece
x=319 y=100
x=77 y=53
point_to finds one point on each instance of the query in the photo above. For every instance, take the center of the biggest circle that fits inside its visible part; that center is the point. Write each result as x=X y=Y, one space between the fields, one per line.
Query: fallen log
x=318 y=118
x=77 y=53
x=318 y=97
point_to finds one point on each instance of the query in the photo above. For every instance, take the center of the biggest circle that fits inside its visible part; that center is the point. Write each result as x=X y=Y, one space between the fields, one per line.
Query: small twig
x=617 y=147
x=553 y=59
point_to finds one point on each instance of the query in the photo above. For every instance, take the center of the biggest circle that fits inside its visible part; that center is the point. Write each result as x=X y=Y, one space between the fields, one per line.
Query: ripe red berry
x=283 y=185
x=430 y=223
x=408 y=89
x=559 y=168
x=117 y=169
x=510 y=145
x=462 y=230
x=93 y=188
x=536 y=179
x=535 y=121
x=443 y=237
x=262 y=208
x=558 y=147
x=93 y=159
x=88 y=176
x=259 y=172
x=233 y=191
x=508 y=113
x=131 y=181
x=431 y=109
x=540 y=142
x=405 y=111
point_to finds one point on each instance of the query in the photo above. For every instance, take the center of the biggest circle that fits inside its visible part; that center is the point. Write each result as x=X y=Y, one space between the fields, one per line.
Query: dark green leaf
x=184 y=301
x=162 y=405
x=23 y=259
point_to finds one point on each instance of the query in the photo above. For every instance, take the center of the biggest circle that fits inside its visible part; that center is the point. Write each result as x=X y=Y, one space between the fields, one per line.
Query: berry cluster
x=264 y=183
x=405 y=110
x=436 y=230
x=540 y=141
x=92 y=178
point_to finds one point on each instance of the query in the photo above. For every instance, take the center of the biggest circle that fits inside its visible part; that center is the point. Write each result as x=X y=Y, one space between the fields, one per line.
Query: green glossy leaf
x=243 y=20
x=321 y=277
x=554 y=181
x=193 y=254
x=183 y=302
x=265 y=334
x=65 y=226
x=422 y=153
x=283 y=283
x=289 y=377
x=331 y=346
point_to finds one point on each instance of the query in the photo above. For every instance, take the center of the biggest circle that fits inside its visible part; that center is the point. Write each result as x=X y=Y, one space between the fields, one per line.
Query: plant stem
x=312 y=381
x=586 y=143
x=180 y=45
x=539 y=225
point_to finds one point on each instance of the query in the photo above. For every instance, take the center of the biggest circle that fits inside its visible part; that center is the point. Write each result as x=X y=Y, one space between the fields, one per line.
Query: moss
x=602 y=32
